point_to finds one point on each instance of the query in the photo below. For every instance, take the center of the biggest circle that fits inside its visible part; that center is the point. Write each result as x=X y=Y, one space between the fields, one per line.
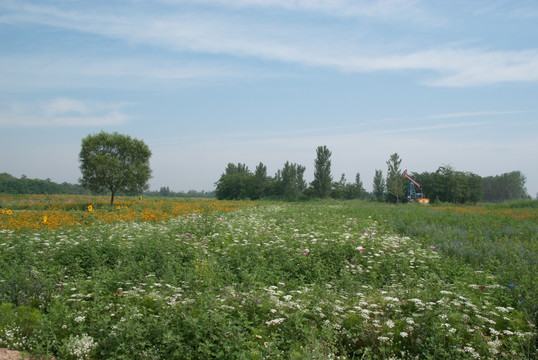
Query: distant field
x=189 y=279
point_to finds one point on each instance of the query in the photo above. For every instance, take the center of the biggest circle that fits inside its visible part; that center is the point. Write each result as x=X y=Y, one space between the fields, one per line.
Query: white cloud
x=65 y=105
x=63 y=112
x=307 y=45
x=378 y=9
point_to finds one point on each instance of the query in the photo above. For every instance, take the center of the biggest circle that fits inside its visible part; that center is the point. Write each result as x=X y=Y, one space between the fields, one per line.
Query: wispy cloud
x=379 y=9
x=423 y=124
x=304 y=45
x=63 y=112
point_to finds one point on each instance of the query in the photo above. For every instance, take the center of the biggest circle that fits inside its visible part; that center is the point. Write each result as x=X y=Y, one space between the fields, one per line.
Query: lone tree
x=378 y=185
x=395 y=182
x=114 y=162
x=323 y=180
x=360 y=192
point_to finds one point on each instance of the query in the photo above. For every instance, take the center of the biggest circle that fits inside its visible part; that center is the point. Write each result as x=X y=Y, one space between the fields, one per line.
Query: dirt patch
x=6 y=354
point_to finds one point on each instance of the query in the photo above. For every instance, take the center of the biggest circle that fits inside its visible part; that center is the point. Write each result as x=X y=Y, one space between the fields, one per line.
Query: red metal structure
x=415 y=194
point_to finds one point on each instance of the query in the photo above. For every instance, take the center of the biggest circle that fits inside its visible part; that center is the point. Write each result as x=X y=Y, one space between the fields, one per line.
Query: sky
x=205 y=83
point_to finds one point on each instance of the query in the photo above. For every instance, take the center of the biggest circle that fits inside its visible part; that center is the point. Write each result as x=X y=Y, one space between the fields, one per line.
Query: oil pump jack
x=414 y=192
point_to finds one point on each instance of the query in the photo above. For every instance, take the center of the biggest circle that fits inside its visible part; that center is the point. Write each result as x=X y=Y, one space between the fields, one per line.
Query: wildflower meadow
x=189 y=279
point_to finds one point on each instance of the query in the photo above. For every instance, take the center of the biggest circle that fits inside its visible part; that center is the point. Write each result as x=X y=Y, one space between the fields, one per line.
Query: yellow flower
x=119 y=207
x=140 y=198
x=45 y=219
x=90 y=208
x=9 y=212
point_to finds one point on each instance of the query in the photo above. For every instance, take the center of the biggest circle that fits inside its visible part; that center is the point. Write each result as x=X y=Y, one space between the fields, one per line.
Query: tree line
x=288 y=183
x=444 y=185
x=165 y=191
x=118 y=164
x=12 y=185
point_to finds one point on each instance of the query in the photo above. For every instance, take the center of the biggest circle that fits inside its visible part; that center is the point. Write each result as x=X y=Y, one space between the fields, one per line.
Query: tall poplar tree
x=360 y=192
x=395 y=182
x=262 y=180
x=322 y=183
x=378 y=185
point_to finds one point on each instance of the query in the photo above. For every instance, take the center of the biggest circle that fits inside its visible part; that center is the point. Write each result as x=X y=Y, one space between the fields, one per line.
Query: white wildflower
x=468 y=349
x=81 y=347
x=275 y=321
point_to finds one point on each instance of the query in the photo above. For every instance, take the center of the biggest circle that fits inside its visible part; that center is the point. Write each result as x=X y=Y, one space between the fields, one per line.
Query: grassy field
x=316 y=280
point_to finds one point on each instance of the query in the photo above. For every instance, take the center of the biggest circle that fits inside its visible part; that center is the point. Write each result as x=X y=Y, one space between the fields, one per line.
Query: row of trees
x=12 y=185
x=119 y=164
x=165 y=191
x=508 y=186
x=238 y=182
x=448 y=185
x=445 y=184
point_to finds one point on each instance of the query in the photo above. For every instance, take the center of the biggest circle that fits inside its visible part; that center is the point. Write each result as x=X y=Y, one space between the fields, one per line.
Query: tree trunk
x=112 y=199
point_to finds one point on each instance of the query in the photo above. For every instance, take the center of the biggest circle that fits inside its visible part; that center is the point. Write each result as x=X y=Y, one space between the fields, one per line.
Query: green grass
x=310 y=280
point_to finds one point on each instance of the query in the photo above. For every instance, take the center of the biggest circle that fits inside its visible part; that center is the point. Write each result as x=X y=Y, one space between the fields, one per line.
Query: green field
x=314 y=280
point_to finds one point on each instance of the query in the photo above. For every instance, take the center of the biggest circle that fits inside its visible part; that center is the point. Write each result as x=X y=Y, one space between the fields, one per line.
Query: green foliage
x=292 y=181
x=114 y=162
x=449 y=185
x=395 y=183
x=322 y=183
x=358 y=190
x=11 y=185
x=166 y=192
x=236 y=183
x=262 y=181
x=379 y=185
x=504 y=187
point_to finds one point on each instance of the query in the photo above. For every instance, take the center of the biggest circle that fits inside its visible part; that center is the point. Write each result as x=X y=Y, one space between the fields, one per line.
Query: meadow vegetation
x=212 y=279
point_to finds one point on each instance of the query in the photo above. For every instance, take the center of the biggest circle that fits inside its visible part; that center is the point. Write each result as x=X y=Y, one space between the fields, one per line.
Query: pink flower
x=432 y=247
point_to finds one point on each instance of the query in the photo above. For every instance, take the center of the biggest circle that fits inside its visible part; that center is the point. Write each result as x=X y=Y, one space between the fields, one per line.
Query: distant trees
x=378 y=185
x=12 y=185
x=448 y=185
x=166 y=192
x=237 y=182
x=360 y=192
x=322 y=183
x=445 y=184
x=292 y=182
x=114 y=162
x=395 y=183
x=261 y=181
x=347 y=191
x=507 y=186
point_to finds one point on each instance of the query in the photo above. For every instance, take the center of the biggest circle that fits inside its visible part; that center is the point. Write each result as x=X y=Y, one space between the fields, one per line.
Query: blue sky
x=209 y=82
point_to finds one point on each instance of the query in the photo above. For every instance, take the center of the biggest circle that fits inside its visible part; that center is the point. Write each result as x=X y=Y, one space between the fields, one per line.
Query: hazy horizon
x=210 y=82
